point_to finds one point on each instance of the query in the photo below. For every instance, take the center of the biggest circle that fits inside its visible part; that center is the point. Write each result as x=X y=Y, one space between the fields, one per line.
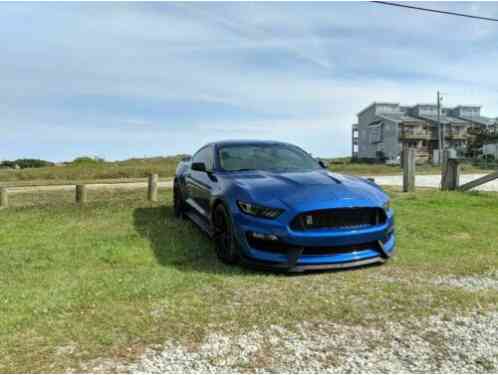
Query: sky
x=121 y=80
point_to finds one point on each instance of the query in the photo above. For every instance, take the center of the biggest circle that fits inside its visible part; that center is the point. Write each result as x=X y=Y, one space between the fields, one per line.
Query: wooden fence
x=81 y=192
x=450 y=179
x=450 y=173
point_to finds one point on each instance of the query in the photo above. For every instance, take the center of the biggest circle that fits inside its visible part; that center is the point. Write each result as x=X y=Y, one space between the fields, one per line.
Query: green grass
x=119 y=274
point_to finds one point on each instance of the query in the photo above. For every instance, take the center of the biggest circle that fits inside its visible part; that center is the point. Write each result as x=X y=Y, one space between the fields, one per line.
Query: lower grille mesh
x=339 y=218
x=284 y=248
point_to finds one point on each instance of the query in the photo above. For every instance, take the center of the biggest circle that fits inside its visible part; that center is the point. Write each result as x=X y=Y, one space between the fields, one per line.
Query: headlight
x=386 y=206
x=259 y=211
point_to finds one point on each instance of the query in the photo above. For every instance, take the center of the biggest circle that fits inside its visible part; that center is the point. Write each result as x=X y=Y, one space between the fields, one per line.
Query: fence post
x=152 y=190
x=454 y=174
x=444 y=170
x=450 y=172
x=409 y=155
x=4 y=197
x=81 y=195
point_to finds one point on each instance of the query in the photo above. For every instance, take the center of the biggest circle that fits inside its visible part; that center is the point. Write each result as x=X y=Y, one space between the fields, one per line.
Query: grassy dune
x=102 y=171
x=111 y=278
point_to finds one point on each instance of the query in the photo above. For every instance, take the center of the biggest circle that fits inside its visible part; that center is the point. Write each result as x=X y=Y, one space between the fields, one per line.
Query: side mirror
x=323 y=164
x=199 y=167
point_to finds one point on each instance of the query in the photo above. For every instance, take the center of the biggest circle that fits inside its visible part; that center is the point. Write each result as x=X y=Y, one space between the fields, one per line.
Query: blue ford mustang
x=272 y=204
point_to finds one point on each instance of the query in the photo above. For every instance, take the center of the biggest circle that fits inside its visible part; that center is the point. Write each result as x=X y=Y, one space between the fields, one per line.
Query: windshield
x=266 y=157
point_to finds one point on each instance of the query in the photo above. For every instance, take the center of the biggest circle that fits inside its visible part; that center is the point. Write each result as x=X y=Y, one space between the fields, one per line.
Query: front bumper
x=348 y=248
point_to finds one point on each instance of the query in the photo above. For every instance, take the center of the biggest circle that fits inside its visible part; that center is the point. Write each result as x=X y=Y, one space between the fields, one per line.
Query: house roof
x=375 y=104
x=445 y=120
x=479 y=120
x=468 y=106
x=399 y=117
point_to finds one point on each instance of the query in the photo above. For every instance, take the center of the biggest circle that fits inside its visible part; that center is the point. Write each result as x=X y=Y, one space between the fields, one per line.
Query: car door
x=199 y=183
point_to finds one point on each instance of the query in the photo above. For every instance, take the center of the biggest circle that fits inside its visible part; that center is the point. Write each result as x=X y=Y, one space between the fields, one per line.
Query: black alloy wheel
x=179 y=207
x=226 y=244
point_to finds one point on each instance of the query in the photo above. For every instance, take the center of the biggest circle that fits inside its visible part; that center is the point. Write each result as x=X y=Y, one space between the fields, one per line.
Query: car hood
x=312 y=190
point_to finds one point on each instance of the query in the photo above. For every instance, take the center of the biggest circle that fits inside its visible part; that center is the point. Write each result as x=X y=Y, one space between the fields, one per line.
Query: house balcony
x=461 y=136
x=415 y=135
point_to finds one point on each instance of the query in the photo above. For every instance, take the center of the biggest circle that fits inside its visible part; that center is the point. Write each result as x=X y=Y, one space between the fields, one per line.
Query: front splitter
x=315 y=267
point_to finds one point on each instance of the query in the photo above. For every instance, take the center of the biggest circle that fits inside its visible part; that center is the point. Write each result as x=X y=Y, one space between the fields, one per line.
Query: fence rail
x=81 y=190
x=479 y=181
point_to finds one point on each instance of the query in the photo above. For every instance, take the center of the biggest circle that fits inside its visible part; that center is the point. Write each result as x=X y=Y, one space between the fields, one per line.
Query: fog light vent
x=263 y=236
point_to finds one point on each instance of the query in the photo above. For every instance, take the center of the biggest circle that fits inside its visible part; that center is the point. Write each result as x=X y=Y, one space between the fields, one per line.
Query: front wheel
x=179 y=206
x=226 y=244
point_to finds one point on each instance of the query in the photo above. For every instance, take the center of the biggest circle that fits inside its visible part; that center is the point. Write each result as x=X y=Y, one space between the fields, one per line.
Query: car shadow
x=179 y=243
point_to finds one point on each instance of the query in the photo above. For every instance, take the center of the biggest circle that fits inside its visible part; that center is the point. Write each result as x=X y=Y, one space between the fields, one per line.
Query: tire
x=178 y=203
x=226 y=245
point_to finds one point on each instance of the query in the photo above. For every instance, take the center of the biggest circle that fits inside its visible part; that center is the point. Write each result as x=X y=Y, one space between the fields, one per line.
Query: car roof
x=240 y=142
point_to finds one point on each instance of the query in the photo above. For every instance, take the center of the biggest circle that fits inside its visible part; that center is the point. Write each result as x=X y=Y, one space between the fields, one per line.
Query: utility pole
x=440 y=128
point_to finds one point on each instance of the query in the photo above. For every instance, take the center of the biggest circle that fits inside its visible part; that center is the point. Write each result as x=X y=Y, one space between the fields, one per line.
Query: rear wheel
x=179 y=205
x=226 y=244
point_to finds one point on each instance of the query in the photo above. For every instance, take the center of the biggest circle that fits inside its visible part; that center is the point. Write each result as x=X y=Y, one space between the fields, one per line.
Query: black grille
x=339 y=218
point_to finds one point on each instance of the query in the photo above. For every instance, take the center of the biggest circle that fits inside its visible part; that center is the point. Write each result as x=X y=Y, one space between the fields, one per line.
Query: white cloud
x=306 y=69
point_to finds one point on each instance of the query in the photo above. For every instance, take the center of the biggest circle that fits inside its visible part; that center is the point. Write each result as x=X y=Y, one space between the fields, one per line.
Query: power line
x=436 y=11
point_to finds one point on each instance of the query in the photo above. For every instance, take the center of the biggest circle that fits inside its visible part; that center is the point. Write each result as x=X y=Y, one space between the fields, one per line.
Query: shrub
x=85 y=160
x=26 y=163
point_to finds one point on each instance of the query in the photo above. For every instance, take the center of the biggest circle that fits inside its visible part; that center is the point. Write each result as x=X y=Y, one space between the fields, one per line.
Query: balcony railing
x=408 y=134
x=456 y=134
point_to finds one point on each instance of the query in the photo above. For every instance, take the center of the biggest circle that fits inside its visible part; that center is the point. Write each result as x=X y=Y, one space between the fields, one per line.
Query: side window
x=205 y=156
x=209 y=158
x=199 y=156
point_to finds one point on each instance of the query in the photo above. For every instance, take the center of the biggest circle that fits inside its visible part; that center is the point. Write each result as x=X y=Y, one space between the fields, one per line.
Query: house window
x=375 y=133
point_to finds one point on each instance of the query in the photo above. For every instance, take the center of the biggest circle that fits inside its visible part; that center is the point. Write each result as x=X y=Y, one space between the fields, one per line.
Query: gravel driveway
x=464 y=344
x=443 y=343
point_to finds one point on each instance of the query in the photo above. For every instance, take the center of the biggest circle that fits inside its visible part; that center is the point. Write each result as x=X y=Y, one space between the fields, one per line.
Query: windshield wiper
x=242 y=170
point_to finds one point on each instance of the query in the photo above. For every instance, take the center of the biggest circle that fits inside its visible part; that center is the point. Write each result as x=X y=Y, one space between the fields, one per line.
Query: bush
x=84 y=160
x=26 y=163
x=7 y=164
